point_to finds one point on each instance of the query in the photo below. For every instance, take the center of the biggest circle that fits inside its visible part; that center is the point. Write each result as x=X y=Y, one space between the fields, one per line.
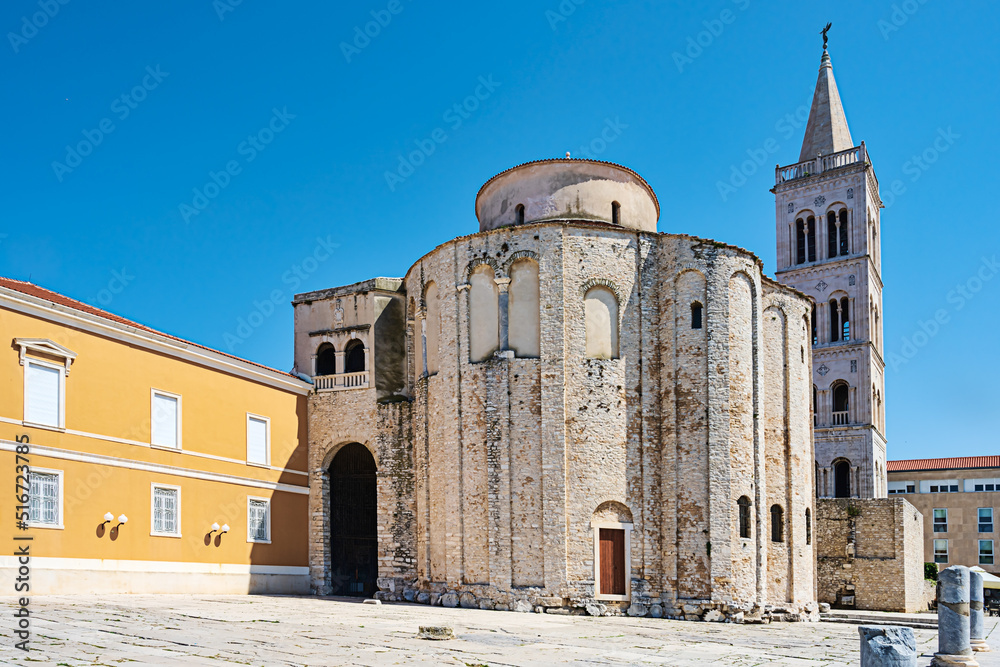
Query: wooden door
x=612 y=552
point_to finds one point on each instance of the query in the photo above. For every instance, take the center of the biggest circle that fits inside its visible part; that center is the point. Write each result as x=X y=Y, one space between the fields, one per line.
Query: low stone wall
x=870 y=554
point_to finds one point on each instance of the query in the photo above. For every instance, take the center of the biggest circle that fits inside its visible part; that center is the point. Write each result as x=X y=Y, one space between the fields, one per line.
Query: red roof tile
x=54 y=297
x=960 y=462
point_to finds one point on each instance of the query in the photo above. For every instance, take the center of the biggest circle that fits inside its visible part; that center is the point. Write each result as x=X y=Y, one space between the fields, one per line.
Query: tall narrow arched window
x=811 y=238
x=842 y=479
x=815 y=406
x=484 y=313
x=354 y=357
x=777 y=524
x=743 y=505
x=696 y=315
x=809 y=527
x=432 y=328
x=616 y=213
x=800 y=241
x=601 y=315
x=519 y=214
x=834 y=320
x=815 y=334
x=831 y=234
x=326 y=360
x=845 y=244
x=841 y=404
x=524 y=326
x=845 y=318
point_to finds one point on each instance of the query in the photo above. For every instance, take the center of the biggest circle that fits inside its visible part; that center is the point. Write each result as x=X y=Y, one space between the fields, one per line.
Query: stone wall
x=869 y=554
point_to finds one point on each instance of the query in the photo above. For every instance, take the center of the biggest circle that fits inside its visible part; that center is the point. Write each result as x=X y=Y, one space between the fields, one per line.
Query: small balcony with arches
x=339 y=370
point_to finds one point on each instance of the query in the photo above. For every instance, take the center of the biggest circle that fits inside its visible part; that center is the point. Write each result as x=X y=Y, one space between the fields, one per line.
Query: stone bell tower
x=827 y=213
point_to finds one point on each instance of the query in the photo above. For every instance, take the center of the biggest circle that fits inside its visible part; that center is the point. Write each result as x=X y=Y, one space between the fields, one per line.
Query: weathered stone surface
x=953 y=618
x=636 y=609
x=656 y=611
x=977 y=637
x=595 y=609
x=372 y=601
x=713 y=616
x=468 y=601
x=409 y=594
x=423 y=597
x=885 y=646
x=436 y=632
x=449 y=600
x=522 y=606
x=484 y=603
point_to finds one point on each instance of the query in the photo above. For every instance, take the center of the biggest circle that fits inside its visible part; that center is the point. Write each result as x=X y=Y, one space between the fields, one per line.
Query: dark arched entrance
x=842 y=479
x=353 y=525
x=354 y=357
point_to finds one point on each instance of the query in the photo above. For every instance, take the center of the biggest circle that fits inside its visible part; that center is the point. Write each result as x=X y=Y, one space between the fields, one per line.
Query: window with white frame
x=902 y=487
x=986 y=552
x=258 y=440
x=165 y=430
x=44 y=393
x=940 y=551
x=166 y=511
x=258 y=520
x=45 y=498
x=982 y=484
x=985 y=519
x=940 y=521
x=939 y=486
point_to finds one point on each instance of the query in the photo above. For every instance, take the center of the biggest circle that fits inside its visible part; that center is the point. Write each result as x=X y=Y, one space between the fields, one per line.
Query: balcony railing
x=840 y=418
x=821 y=163
x=341 y=381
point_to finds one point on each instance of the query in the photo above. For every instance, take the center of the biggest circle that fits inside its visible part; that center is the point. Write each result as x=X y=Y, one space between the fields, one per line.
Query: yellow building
x=157 y=465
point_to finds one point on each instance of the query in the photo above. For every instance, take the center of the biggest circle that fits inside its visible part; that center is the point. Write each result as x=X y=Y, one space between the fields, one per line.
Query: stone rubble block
x=887 y=646
x=436 y=632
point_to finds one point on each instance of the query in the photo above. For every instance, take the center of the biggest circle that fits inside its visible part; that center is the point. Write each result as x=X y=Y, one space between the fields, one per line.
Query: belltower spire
x=826 y=131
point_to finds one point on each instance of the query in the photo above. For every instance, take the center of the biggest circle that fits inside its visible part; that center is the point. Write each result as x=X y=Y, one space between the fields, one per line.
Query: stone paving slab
x=266 y=630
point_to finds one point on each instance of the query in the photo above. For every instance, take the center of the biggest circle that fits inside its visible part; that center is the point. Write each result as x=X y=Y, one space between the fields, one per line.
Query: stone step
x=920 y=621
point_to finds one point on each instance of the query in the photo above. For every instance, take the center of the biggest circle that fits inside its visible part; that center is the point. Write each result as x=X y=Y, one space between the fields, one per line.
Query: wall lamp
x=108 y=518
x=122 y=520
x=216 y=528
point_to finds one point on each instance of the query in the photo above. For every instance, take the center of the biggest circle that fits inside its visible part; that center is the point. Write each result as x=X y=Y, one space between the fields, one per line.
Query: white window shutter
x=42 y=395
x=164 y=428
x=257 y=441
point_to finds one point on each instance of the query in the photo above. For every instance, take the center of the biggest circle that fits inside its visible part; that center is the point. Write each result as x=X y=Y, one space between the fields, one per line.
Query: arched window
x=841 y=404
x=484 y=317
x=616 y=211
x=601 y=315
x=811 y=238
x=800 y=242
x=744 y=510
x=845 y=318
x=845 y=245
x=842 y=479
x=432 y=328
x=524 y=327
x=809 y=527
x=696 y=315
x=519 y=214
x=354 y=357
x=326 y=360
x=834 y=320
x=815 y=334
x=815 y=406
x=777 y=524
x=831 y=234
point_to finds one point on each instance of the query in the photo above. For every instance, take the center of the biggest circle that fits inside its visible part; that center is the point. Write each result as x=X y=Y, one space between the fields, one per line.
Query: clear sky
x=191 y=165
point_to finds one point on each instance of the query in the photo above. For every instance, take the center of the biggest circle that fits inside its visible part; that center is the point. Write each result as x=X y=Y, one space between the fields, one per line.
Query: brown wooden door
x=612 y=561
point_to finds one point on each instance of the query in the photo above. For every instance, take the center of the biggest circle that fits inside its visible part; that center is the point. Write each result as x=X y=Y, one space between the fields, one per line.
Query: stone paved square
x=260 y=630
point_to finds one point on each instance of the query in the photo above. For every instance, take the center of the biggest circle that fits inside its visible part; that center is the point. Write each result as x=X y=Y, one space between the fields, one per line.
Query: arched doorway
x=842 y=479
x=354 y=357
x=353 y=524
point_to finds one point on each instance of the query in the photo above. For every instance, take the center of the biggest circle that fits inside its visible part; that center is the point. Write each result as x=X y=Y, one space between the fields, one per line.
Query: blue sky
x=257 y=141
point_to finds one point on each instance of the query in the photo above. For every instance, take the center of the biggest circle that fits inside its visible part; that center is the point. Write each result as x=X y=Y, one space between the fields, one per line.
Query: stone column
x=338 y=362
x=977 y=634
x=953 y=619
x=504 y=286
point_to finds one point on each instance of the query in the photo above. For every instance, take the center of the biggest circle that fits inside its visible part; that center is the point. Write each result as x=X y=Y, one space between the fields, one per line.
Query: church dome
x=567 y=189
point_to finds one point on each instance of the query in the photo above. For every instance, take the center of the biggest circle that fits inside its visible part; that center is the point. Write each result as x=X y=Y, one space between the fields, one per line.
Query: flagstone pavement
x=277 y=630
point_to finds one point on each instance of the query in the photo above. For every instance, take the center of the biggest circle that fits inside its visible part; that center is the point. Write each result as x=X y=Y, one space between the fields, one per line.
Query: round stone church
x=567 y=410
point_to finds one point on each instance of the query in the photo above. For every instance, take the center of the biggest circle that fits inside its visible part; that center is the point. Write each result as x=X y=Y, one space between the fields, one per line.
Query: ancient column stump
x=953 y=619
x=977 y=632
x=887 y=646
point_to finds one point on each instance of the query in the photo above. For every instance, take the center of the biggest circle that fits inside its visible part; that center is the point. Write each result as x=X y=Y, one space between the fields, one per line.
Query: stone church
x=571 y=411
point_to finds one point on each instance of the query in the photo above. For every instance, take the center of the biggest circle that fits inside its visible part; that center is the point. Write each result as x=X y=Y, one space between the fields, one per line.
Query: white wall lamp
x=122 y=520
x=215 y=527
x=225 y=527
x=108 y=518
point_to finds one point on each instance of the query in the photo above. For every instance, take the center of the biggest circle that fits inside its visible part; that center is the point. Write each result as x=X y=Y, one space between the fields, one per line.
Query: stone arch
x=524 y=308
x=601 y=321
x=842 y=478
x=613 y=511
x=351 y=512
x=594 y=282
x=326 y=359
x=520 y=254
x=478 y=262
x=355 y=356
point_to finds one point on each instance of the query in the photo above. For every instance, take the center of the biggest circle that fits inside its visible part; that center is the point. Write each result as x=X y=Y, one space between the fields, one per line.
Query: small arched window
x=845 y=318
x=326 y=360
x=811 y=238
x=777 y=524
x=841 y=404
x=800 y=241
x=354 y=357
x=809 y=527
x=831 y=234
x=519 y=214
x=815 y=334
x=616 y=213
x=696 y=309
x=834 y=320
x=815 y=406
x=743 y=504
x=842 y=479
x=601 y=315
x=845 y=245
